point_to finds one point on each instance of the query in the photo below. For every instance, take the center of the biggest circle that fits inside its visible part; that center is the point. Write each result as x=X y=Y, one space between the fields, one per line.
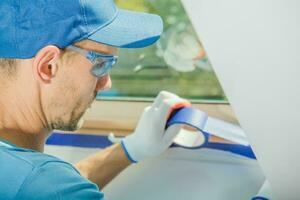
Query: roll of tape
x=194 y=136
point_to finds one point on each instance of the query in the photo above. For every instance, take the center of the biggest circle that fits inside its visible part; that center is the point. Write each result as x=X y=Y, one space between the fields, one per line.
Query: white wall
x=254 y=47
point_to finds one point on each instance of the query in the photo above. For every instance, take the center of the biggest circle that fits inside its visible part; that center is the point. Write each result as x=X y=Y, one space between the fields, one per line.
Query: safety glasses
x=102 y=63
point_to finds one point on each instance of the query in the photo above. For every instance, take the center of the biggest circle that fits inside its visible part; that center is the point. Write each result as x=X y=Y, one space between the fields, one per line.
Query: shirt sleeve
x=56 y=181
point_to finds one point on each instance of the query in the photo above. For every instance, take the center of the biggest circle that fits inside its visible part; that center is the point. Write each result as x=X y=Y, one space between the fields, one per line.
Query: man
x=55 y=57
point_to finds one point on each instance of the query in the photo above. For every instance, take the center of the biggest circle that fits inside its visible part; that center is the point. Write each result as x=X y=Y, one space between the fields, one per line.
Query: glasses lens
x=101 y=67
x=189 y=137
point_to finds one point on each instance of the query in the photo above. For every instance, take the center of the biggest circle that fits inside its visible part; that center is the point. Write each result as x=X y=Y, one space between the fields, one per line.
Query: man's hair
x=8 y=67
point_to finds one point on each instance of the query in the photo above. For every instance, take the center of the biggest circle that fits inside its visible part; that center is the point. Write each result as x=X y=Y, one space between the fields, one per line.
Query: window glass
x=176 y=63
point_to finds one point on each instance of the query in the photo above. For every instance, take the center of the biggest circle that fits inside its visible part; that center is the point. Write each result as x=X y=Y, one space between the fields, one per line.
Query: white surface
x=265 y=191
x=188 y=174
x=179 y=174
x=254 y=49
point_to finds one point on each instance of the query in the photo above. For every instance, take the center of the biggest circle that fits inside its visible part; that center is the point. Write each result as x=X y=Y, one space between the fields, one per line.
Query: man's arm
x=149 y=139
x=103 y=166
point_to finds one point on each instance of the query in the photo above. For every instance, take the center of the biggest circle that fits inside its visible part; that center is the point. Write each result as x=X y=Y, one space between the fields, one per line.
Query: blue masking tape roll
x=197 y=119
x=189 y=116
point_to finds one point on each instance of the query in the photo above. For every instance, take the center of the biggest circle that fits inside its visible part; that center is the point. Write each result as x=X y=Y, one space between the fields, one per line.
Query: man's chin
x=76 y=124
x=72 y=125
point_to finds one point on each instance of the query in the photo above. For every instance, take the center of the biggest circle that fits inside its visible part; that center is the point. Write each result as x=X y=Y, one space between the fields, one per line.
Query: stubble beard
x=75 y=117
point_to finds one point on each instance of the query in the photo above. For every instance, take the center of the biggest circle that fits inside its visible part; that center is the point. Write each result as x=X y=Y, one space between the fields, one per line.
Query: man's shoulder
x=16 y=164
x=25 y=157
x=26 y=174
x=13 y=171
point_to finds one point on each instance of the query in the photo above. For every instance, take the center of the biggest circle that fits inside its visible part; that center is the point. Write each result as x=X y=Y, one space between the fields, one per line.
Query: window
x=176 y=63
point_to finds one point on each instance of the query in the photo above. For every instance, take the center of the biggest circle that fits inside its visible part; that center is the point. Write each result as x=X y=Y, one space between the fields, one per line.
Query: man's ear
x=44 y=64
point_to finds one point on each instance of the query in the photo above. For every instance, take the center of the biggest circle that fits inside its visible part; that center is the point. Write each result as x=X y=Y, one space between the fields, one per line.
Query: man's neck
x=25 y=140
x=22 y=118
x=22 y=123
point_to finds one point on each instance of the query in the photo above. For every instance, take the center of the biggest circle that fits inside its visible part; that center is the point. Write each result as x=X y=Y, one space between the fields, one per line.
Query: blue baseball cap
x=26 y=26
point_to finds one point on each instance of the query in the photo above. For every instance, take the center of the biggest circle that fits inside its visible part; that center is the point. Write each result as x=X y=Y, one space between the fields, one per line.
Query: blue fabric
x=27 y=26
x=130 y=30
x=27 y=174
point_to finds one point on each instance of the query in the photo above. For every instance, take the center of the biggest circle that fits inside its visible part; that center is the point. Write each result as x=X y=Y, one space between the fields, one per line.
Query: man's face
x=75 y=88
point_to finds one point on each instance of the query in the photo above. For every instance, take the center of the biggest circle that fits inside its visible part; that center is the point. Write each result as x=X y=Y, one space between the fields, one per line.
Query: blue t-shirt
x=26 y=174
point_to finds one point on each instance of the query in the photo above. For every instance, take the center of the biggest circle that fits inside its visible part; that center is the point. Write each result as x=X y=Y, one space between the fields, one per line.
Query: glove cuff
x=127 y=152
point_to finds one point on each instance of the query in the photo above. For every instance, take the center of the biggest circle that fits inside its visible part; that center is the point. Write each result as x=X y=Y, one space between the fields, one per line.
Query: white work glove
x=150 y=137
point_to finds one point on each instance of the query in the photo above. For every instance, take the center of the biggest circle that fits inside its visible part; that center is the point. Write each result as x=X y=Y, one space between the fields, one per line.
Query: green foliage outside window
x=176 y=63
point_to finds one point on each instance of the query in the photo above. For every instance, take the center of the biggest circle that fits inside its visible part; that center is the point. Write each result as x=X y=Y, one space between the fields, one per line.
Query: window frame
x=121 y=116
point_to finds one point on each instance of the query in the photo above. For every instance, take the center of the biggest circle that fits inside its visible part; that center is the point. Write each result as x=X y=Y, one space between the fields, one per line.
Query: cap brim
x=130 y=30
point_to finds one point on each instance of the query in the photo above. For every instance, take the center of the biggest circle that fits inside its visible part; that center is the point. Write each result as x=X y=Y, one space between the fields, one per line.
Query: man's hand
x=150 y=137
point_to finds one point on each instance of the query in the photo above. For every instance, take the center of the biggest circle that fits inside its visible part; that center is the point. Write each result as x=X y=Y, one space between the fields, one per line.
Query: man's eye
x=97 y=66
x=99 y=61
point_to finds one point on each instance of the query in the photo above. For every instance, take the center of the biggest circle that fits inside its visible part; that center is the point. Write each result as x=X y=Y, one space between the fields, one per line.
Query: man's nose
x=104 y=83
